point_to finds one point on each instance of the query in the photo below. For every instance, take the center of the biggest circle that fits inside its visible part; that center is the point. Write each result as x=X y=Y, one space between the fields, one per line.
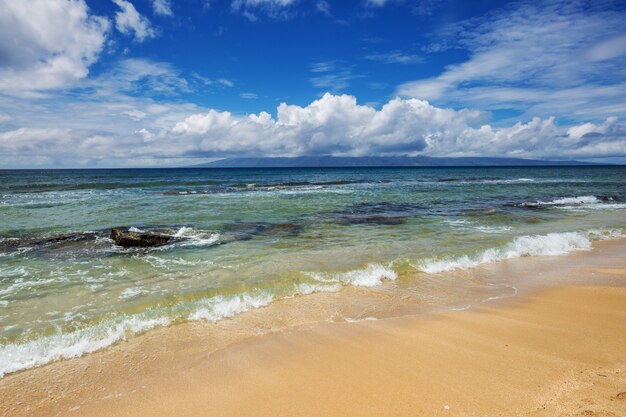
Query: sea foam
x=551 y=244
x=585 y=199
x=196 y=238
x=17 y=357
x=371 y=276
x=220 y=307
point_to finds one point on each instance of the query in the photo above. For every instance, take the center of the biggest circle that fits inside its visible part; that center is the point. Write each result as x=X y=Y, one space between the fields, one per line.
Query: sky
x=140 y=83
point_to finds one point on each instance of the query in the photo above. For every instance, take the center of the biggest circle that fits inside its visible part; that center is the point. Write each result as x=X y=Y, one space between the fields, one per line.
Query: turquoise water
x=245 y=238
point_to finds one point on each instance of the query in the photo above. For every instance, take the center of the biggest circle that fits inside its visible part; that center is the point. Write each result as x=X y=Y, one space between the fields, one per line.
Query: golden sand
x=553 y=352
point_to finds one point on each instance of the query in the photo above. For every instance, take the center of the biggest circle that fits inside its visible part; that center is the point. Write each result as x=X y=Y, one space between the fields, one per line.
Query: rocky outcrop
x=130 y=239
x=50 y=242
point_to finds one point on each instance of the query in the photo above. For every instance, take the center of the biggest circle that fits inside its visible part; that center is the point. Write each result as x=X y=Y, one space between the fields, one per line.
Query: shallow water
x=245 y=238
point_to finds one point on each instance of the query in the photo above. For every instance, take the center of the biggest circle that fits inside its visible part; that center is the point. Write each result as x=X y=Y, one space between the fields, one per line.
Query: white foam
x=500 y=297
x=135 y=229
x=132 y=293
x=514 y=180
x=183 y=232
x=492 y=229
x=596 y=207
x=13 y=272
x=19 y=356
x=585 y=199
x=196 y=238
x=166 y=263
x=21 y=284
x=371 y=276
x=465 y=224
x=221 y=307
x=552 y=244
x=350 y=320
x=16 y=357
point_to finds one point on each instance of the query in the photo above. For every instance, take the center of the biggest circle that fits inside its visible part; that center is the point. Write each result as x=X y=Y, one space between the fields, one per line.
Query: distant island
x=378 y=161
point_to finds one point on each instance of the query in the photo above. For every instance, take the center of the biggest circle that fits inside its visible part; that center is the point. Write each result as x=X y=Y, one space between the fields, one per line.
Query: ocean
x=243 y=239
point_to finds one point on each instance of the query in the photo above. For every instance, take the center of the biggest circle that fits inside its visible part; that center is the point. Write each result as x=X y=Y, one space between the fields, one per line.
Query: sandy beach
x=552 y=351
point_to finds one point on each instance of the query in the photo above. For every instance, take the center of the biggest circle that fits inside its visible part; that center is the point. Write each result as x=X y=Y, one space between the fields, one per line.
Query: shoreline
x=128 y=377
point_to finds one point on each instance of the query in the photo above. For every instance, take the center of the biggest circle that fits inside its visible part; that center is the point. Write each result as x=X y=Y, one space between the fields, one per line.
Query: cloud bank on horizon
x=162 y=83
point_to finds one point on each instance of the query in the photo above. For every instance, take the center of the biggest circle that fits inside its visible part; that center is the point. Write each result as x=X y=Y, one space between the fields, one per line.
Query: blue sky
x=99 y=83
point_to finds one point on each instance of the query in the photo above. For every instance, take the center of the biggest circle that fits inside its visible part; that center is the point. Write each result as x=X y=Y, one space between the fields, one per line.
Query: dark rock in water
x=606 y=198
x=245 y=231
x=371 y=219
x=525 y=205
x=283 y=228
x=130 y=239
x=385 y=208
x=53 y=242
x=376 y=213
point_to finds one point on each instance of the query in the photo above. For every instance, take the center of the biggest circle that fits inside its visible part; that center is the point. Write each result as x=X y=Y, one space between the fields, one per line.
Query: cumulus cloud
x=131 y=23
x=120 y=133
x=47 y=44
x=539 y=57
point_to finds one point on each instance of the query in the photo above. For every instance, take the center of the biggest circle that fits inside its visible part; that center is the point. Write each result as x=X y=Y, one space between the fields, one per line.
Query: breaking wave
x=566 y=202
x=20 y=356
x=551 y=244
x=17 y=357
x=585 y=199
x=196 y=238
x=371 y=276
x=28 y=354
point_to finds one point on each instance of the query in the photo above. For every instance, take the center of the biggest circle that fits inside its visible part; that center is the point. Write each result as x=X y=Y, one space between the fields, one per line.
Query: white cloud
x=225 y=82
x=119 y=133
x=253 y=3
x=420 y=7
x=129 y=22
x=276 y=9
x=609 y=49
x=139 y=76
x=162 y=7
x=323 y=7
x=332 y=76
x=208 y=81
x=377 y=3
x=248 y=96
x=395 y=57
x=338 y=125
x=580 y=131
x=47 y=44
x=541 y=58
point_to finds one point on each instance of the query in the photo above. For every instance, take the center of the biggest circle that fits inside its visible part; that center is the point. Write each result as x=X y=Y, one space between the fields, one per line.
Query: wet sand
x=551 y=351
